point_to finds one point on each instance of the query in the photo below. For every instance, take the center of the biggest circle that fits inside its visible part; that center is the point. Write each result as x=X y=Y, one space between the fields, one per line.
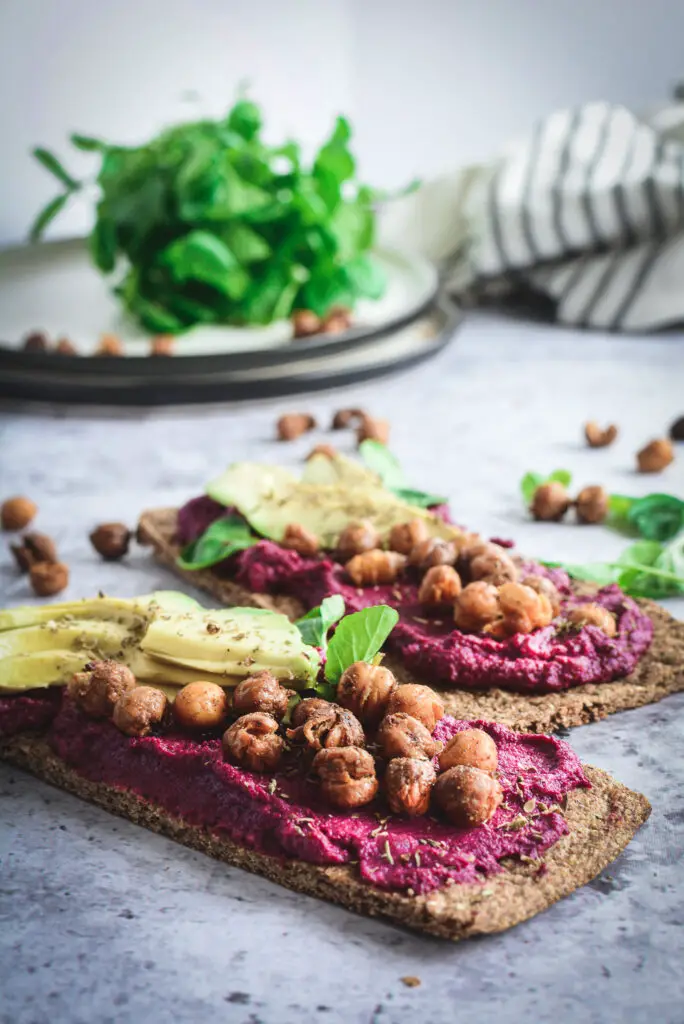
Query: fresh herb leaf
x=657 y=516
x=47 y=214
x=87 y=143
x=55 y=167
x=645 y=569
x=314 y=626
x=379 y=458
x=359 y=637
x=421 y=499
x=531 y=481
x=222 y=538
x=601 y=573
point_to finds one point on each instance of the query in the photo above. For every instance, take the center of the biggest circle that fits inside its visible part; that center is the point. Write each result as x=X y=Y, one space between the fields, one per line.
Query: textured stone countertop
x=102 y=921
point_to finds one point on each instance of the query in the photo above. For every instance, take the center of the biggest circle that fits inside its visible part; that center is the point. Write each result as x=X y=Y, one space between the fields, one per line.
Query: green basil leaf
x=359 y=637
x=657 y=516
x=47 y=214
x=379 y=458
x=53 y=165
x=222 y=538
x=314 y=626
x=421 y=499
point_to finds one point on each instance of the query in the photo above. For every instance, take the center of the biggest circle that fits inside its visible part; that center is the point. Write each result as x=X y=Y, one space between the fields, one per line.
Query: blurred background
x=427 y=85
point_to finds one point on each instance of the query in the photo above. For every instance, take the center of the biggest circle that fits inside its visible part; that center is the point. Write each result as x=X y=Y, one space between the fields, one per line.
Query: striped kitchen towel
x=587 y=212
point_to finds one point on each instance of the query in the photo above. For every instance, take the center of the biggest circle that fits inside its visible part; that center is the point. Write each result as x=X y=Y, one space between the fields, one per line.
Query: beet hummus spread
x=544 y=661
x=284 y=816
x=28 y=712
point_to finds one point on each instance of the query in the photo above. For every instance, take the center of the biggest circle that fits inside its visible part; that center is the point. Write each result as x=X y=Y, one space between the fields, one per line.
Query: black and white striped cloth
x=588 y=211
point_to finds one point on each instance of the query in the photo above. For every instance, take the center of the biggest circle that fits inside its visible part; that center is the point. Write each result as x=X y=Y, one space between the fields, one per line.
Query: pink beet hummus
x=541 y=662
x=284 y=816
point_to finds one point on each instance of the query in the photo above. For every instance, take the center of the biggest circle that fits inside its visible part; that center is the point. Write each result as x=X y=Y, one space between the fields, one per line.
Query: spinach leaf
x=380 y=459
x=314 y=626
x=645 y=569
x=421 y=499
x=222 y=538
x=531 y=481
x=359 y=637
x=657 y=516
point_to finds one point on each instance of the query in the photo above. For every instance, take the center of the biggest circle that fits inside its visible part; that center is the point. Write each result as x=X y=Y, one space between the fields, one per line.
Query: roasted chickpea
x=433 y=551
x=401 y=735
x=347 y=418
x=355 y=539
x=297 y=538
x=305 y=323
x=364 y=690
x=262 y=692
x=593 y=615
x=406 y=536
x=598 y=438
x=543 y=585
x=522 y=610
x=467 y=796
x=97 y=689
x=418 y=701
x=473 y=747
x=137 y=710
x=476 y=606
x=253 y=742
x=408 y=785
x=550 y=502
x=306 y=708
x=330 y=727
x=372 y=429
x=591 y=505
x=375 y=567
x=441 y=585
x=494 y=566
x=655 y=456
x=201 y=705
x=347 y=776
x=17 y=512
x=293 y=424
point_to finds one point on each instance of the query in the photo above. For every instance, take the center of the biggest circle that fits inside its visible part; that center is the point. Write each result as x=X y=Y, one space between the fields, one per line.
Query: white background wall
x=428 y=83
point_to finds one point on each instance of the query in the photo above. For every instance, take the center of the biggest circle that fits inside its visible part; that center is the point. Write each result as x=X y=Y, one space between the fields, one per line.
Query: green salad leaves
x=645 y=569
x=380 y=459
x=359 y=637
x=531 y=481
x=221 y=538
x=315 y=625
x=206 y=223
x=655 y=517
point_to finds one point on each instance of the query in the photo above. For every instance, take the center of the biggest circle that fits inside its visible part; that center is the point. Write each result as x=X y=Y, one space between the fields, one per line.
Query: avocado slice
x=41 y=669
x=232 y=642
x=78 y=635
x=322 y=469
x=127 y=611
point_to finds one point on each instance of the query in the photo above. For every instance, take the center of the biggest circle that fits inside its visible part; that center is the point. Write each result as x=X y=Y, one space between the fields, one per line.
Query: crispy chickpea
x=306 y=708
x=253 y=742
x=372 y=429
x=401 y=735
x=593 y=615
x=375 y=567
x=364 y=690
x=261 y=692
x=476 y=606
x=404 y=537
x=17 y=512
x=330 y=727
x=305 y=323
x=408 y=785
x=138 y=710
x=432 y=551
x=591 y=505
x=441 y=585
x=598 y=438
x=655 y=456
x=550 y=502
x=201 y=705
x=97 y=689
x=303 y=541
x=344 y=418
x=347 y=776
x=494 y=566
x=467 y=796
x=418 y=701
x=522 y=611
x=473 y=747
x=543 y=585
x=355 y=539
x=293 y=424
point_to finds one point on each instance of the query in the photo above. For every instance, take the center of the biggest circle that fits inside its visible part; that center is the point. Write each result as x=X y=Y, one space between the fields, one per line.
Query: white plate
x=53 y=287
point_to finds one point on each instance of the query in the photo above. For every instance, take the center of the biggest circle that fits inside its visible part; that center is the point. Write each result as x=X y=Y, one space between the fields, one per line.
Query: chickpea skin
x=97 y=689
x=365 y=690
x=522 y=611
x=494 y=566
x=476 y=606
x=138 y=710
x=347 y=776
x=406 y=536
x=593 y=615
x=472 y=747
x=441 y=585
x=467 y=796
x=433 y=551
x=401 y=735
x=306 y=708
x=591 y=505
x=303 y=541
x=261 y=692
x=550 y=502
x=253 y=742
x=201 y=705
x=408 y=785
x=332 y=727
x=418 y=701
x=355 y=539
